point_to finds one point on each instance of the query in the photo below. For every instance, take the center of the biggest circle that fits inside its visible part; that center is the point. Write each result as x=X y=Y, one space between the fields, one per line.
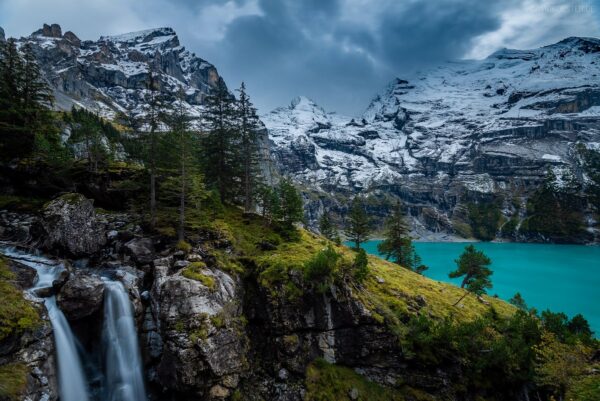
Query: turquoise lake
x=562 y=278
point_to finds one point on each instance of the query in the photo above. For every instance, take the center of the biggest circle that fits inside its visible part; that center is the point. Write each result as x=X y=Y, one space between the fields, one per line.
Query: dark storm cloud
x=338 y=52
x=432 y=31
x=306 y=48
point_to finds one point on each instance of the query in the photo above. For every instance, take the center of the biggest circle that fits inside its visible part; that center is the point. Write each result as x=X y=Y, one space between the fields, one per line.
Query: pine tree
x=248 y=126
x=16 y=140
x=361 y=266
x=397 y=244
x=359 y=224
x=290 y=208
x=327 y=228
x=473 y=266
x=184 y=150
x=220 y=150
x=156 y=111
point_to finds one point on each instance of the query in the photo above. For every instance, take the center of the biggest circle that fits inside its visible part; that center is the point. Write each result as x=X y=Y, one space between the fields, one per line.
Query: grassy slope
x=389 y=292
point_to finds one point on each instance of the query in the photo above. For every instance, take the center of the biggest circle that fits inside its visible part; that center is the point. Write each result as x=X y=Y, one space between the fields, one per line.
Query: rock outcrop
x=194 y=330
x=81 y=296
x=69 y=223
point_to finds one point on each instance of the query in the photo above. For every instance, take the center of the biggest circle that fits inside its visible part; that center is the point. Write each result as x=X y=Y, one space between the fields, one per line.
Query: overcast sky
x=340 y=53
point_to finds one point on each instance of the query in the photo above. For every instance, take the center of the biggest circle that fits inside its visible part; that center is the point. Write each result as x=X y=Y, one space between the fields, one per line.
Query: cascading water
x=124 y=379
x=71 y=377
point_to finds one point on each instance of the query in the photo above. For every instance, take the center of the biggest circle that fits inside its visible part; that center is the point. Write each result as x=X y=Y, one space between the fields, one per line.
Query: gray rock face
x=69 y=223
x=110 y=75
x=195 y=335
x=81 y=296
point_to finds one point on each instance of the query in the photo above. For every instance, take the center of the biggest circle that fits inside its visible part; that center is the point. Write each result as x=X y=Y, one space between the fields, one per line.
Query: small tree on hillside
x=290 y=208
x=358 y=226
x=327 y=228
x=397 y=244
x=361 y=266
x=473 y=267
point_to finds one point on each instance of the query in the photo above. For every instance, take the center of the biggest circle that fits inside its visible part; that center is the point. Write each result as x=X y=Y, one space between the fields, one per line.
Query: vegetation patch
x=13 y=379
x=21 y=203
x=484 y=218
x=16 y=314
x=328 y=382
x=194 y=272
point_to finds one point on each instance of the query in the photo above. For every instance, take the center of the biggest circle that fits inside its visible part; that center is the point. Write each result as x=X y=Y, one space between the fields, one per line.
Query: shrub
x=183 y=246
x=322 y=265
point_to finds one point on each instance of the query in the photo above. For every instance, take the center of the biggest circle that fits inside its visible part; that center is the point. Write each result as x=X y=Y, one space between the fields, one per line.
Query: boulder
x=141 y=250
x=69 y=223
x=81 y=296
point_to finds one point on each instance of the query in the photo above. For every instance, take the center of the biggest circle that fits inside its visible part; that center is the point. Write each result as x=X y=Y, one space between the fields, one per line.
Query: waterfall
x=124 y=379
x=71 y=377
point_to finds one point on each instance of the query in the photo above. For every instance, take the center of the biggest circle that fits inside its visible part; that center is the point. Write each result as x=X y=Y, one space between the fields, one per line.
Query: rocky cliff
x=466 y=132
x=110 y=75
x=226 y=319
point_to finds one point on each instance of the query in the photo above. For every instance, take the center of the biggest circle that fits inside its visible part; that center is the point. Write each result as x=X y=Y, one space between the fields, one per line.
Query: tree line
x=190 y=160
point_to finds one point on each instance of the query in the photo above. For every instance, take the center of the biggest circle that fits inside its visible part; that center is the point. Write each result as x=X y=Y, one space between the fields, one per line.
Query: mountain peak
x=588 y=45
x=51 y=31
x=302 y=101
x=146 y=35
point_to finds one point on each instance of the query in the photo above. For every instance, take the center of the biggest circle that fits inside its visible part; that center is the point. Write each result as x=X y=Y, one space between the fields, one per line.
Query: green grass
x=328 y=382
x=16 y=314
x=13 y=379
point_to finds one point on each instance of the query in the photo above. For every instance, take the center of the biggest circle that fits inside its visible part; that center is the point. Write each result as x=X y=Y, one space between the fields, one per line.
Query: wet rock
x=25 y=276
x=141 y=250
x=69 y=223
x=81 y=296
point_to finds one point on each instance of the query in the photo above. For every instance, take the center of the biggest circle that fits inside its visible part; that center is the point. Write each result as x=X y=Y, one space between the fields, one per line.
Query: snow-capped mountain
x=110 y=75
x=463 y=132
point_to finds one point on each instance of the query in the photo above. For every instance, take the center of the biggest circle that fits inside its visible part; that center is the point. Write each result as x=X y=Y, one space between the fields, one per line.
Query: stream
x=121 y=368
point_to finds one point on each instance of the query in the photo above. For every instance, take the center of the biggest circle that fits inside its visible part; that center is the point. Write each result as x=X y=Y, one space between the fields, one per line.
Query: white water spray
x=71 y=377
x=124 y=379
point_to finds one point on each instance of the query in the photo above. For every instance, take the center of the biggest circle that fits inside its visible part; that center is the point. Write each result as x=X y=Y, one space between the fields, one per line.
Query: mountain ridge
x=459 y=133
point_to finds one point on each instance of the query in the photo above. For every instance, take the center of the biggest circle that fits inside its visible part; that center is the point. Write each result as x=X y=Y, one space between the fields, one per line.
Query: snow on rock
x=110 y=75
x=457 y=133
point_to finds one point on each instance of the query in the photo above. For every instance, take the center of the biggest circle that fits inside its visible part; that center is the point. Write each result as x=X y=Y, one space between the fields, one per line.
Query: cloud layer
x=338 y=52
